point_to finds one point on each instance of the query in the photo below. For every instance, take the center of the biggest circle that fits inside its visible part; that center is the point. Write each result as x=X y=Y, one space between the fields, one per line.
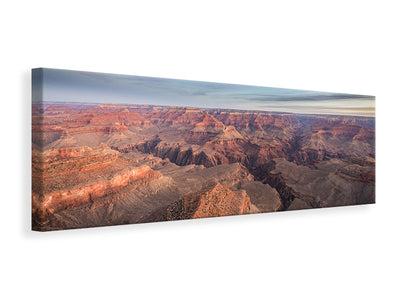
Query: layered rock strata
x=95 y=165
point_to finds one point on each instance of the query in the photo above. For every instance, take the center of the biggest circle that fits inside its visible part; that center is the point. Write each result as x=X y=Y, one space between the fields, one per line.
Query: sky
x=79 y=86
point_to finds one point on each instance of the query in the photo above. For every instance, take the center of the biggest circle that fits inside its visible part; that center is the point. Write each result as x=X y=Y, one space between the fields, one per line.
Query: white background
x=338 y=253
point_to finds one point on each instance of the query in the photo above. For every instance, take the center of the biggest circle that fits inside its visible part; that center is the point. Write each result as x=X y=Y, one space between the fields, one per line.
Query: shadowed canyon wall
x=95 y=165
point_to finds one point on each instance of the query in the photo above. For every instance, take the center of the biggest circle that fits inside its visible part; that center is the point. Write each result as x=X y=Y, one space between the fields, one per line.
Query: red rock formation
x=84 y=155
x=357 y=173
x=125 y=118
x=214 y=201
x=68 y=177
x=78 y=196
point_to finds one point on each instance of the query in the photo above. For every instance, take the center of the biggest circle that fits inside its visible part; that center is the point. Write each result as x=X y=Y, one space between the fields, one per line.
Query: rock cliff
x=95 y=165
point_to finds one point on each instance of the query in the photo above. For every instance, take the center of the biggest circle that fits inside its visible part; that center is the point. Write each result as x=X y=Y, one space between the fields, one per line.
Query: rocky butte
x=96 y=165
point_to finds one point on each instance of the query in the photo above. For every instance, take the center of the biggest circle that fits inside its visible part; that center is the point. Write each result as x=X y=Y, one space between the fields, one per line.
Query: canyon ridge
x=109 y=164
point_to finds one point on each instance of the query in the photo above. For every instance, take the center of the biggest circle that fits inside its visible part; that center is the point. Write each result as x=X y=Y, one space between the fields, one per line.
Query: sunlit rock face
x=96 y=165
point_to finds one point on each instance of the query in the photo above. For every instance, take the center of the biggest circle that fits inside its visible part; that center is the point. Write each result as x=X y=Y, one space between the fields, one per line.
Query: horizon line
x=208 y=108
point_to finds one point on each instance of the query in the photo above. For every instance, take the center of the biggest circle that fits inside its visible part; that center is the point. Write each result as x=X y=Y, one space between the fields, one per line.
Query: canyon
x=111 y=164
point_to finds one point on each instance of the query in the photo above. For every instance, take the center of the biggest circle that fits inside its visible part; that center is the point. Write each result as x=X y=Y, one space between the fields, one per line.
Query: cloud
x=77 y=86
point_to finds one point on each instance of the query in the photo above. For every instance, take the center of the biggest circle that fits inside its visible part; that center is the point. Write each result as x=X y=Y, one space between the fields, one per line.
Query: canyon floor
x=107 y=164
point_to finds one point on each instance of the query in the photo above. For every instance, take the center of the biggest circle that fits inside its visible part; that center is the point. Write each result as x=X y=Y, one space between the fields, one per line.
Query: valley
x=111 y=164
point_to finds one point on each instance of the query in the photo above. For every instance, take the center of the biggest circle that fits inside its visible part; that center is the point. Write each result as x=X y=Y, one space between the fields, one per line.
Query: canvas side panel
x=375 y=147
x=37 y=148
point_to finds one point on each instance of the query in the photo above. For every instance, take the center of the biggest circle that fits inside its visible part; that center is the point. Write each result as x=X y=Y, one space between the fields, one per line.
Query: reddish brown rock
x=214 y=201
x=83 y=157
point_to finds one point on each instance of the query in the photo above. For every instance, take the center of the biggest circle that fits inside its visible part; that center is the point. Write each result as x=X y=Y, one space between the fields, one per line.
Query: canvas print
x=113 y=149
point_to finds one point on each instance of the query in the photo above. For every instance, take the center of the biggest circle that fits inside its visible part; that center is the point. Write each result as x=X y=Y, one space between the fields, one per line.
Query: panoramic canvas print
x=113 y=149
